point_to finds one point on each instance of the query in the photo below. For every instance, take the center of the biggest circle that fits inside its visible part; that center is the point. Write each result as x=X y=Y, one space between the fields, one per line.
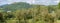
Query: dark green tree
x=59 y=6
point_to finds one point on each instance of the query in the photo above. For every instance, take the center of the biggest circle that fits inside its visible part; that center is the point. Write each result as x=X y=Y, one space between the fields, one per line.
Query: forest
x=22 y=12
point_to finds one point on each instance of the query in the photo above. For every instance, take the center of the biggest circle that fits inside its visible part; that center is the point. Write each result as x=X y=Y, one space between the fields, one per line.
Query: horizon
x=42 y=2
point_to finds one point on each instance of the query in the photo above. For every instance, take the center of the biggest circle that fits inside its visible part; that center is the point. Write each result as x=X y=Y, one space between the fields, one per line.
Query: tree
x=1 y=17
x=59 y=6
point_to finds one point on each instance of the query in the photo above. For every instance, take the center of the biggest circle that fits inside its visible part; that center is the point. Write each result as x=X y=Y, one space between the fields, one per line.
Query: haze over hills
x=14 y=6
x=19 y=5
x=44 y=2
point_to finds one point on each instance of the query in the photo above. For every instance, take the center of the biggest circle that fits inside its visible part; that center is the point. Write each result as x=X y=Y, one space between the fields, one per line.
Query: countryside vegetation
x=22 y=12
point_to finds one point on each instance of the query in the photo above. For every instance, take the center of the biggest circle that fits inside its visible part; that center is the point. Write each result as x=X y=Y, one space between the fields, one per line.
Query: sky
x=44 y=2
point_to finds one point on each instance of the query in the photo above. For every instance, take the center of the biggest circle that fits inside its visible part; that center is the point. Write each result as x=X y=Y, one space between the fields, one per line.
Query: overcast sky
x=45 y=2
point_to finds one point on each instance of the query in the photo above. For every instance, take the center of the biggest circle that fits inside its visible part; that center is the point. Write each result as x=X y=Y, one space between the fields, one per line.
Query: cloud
x=57 y=1
x=2 y=2
x=11 y=1
x=45 y=2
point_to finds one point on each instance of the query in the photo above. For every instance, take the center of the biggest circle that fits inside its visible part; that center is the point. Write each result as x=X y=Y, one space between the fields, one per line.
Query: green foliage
x=15 y=6
x=24 y=12
x=59 y=5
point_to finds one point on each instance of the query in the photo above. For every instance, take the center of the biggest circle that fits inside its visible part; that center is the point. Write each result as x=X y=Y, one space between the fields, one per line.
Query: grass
x=58 y=21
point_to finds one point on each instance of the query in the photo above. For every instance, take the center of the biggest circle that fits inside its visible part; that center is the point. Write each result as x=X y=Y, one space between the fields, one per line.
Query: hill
x=16 y=6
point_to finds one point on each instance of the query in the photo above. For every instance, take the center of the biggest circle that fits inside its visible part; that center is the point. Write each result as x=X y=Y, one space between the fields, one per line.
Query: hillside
x=15 y=6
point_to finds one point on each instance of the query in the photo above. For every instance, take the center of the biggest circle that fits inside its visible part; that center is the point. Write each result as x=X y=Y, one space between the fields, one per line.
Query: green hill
x=16 y=6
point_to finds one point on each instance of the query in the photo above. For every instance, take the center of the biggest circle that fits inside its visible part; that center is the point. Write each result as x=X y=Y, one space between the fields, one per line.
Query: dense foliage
x=26 y=13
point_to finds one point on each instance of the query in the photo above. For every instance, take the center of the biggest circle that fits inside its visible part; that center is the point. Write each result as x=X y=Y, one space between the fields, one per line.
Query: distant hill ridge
x=17 y=5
